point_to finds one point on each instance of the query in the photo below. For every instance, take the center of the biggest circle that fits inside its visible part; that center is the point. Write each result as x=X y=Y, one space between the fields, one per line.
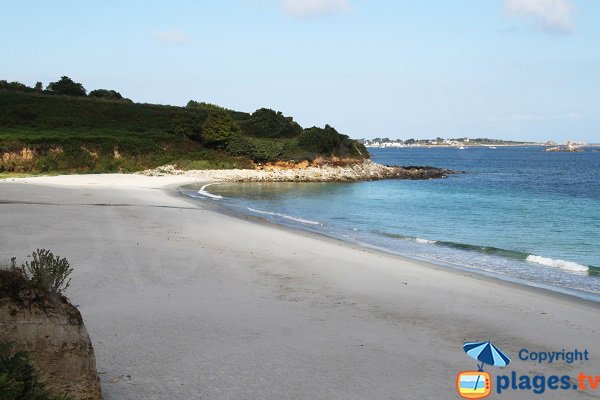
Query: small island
x=569 y=147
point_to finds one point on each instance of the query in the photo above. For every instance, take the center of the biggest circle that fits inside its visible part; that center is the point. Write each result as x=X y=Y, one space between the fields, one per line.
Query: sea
x=514 y=213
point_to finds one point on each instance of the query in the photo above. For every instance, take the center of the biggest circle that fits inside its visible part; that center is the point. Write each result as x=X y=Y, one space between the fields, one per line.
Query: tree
x=269 y=123
x=218 y=128
x=67 y=87
x=38 y=87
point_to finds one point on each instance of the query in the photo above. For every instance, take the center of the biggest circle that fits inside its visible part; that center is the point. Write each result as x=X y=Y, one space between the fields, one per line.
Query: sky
x=509 y=69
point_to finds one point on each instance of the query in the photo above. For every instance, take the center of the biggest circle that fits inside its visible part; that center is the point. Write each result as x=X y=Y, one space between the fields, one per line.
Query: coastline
x=265 y=311
x=567 y=293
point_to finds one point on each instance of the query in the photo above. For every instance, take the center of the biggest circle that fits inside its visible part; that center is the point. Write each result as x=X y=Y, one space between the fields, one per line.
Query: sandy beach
x=183 y=302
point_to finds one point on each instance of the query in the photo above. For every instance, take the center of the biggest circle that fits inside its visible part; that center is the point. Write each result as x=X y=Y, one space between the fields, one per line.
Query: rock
x=50 y=329
x=568 y=148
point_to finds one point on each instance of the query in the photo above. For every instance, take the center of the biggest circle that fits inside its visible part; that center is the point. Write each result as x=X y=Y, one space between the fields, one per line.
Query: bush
x=319 y=140
x=266 y=150
x=240 y=145
x=47 y=272
x=15 y=86
x=189 y=124
x=269 y=123
x=106 y=94
x=17 y=377
x=67 y=87
x=218 y=128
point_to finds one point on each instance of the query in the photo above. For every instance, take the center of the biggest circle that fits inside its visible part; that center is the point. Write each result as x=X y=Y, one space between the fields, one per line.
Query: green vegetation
x=63 y=129
x=67 y=87
x=48 y=272
x=106 y=94
x=17 y=377
x=270 y=124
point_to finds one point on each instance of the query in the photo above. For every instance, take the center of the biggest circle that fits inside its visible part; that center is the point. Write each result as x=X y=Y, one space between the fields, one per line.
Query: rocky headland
x=308 y=172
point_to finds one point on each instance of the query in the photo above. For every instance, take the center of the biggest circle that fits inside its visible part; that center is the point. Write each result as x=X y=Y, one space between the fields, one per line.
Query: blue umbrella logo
x=486 y=353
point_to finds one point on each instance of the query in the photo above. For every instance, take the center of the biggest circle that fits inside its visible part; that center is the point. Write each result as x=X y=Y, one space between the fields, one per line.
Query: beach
x=184 y=302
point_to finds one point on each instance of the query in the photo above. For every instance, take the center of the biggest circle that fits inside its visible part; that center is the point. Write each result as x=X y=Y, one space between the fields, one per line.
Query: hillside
x=42 y=131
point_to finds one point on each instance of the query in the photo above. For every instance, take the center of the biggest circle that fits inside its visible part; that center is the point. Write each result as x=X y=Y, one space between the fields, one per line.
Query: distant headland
x=465 y=142
x=442 y=142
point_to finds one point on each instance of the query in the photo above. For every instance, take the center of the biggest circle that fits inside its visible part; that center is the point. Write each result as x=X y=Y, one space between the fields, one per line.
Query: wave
x=403 y=237
x=427 y=241
x=291 y=218
x=203 y=192
x=496 y=251
x=562 y=264
x=512 y=254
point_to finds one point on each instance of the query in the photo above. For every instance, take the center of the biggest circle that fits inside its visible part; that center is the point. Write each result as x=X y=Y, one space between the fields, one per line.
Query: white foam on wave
x=203 y=192
x=562 y=264
x=427 y=241
x=296 y=219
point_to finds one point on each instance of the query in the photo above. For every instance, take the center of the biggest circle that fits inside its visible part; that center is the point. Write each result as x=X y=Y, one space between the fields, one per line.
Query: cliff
x=51 y=331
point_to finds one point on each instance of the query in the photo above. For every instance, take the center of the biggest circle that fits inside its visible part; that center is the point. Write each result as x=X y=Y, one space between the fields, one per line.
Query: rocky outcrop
x=50 y=329
x=347 y=172
x=568 y=149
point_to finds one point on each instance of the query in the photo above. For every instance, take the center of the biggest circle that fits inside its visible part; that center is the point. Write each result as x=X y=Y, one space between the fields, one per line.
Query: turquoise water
x=516 y=212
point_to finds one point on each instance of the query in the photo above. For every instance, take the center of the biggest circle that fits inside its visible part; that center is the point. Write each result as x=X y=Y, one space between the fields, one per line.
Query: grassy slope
x=75 y=134
x=142 y=134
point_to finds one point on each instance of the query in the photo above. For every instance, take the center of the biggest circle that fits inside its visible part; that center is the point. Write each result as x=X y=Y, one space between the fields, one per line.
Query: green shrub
x=106 y=94
x=47 y=272
x=266 y=150
x=66 y=86
x=17 y=377
x=218 y=127
x=269 y=123
x=319 y=140
x=189 y=124
x=240 y=145
x=293 y=152
x=15 y=86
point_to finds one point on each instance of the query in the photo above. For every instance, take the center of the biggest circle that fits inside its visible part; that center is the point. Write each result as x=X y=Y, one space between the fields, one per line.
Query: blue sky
x=513 y=69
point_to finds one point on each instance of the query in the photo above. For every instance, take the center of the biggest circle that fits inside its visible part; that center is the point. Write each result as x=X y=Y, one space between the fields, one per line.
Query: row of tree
x=64 y=86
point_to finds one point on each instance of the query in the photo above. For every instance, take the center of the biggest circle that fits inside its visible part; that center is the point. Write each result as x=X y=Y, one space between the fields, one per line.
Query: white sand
x=192 y=304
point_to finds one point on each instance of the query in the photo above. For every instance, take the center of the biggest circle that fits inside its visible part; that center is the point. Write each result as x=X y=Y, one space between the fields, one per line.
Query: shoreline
x=182 y=301
x=567 y=293
x=172 y=183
